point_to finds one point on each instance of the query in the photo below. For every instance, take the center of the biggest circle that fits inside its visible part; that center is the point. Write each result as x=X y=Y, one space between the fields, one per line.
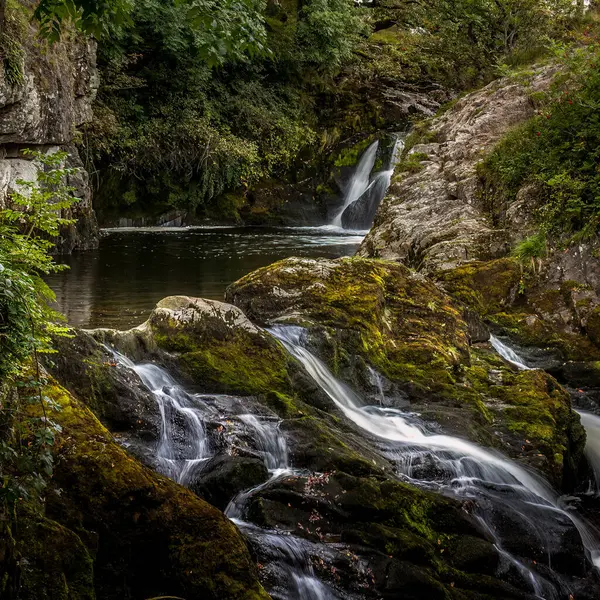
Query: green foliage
x=91 y=16
x=186 y=132
x=532 y=249
x=328 y=31
x=205 y=97
x=558 y=150
x=461 y=42
x=11 y=50
x=26 y=326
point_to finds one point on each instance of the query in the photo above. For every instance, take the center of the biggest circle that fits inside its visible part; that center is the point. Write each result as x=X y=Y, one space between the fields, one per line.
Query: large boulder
x=123 y=531
x=364 y=315
x=432 y=217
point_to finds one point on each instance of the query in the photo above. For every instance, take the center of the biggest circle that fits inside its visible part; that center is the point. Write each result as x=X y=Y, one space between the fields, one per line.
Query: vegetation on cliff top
x=199 y=98
x=557 y=151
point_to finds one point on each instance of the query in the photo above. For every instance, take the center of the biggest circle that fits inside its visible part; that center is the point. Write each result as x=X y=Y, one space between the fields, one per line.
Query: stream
x=119 y=284
x=508 y=498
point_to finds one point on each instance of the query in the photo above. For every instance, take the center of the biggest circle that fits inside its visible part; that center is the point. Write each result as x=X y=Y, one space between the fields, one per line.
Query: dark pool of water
x=119 y=284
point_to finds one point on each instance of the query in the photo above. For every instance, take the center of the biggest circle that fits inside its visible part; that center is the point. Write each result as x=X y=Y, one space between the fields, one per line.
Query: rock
x=42 y=111
x=224 y=477
x=363 y=314
x=208 y=343
x=432 y=218
x=57 y=562
x=144 y=535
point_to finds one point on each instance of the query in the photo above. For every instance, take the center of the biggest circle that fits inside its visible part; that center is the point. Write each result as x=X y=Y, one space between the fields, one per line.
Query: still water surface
x=119 y=284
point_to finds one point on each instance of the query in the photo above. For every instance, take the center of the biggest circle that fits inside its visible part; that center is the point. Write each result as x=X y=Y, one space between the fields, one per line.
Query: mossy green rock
x=212 y=345
x=396 y=319
x=145 y=535
x=410 y=331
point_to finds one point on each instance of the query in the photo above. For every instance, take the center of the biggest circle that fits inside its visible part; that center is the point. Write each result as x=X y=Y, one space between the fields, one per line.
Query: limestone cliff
x=45 y=95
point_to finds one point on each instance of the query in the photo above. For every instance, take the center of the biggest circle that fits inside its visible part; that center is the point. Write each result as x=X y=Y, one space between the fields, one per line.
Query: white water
x=359 y=182
x=293 y=555
x=591 y=423
x=466 y=470
x=508 y=354
x=176 y=406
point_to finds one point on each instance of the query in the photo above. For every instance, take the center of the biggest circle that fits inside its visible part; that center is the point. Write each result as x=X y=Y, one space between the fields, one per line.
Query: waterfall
x=359 y=210
x=508 y=354
x=460 y=468
x=591 y=423
x=360 y=180
x=183 y=445
x=270 y=441
x=183 y=448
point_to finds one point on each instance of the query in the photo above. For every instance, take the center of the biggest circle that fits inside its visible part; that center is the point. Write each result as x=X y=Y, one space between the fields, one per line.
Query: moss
x=592 y=326
x=222 y=357
x=349 y=156
x=321 y=446
x=149 y=535
x=486 y=287
x=238 y=366
x=55 y=563
x=530 y=330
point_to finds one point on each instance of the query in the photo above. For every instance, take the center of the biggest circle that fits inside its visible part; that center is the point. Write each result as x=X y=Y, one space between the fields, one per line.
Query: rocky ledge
x=401 y=343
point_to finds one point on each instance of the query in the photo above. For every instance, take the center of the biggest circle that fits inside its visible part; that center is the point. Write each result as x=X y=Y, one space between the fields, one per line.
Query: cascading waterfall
x=460 y=468
x=508 y=354
x=178 y=456
x=366 y=192
x=360 y=180
x=181 y=461
x=591 y=424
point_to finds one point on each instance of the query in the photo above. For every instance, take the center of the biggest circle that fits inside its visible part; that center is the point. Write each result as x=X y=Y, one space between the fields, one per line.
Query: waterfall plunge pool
x=121 y=282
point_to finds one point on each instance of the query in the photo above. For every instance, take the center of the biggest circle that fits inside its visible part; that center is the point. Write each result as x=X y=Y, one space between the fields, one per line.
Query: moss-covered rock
x=413 y=540
x=55 y=564
x=397 y=320
x=211 y=344
x=560 y=317
x=146 y=535
x=363 y=313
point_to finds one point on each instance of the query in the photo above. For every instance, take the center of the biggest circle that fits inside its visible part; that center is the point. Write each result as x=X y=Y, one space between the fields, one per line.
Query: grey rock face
x=432 y=219
x=42 y=113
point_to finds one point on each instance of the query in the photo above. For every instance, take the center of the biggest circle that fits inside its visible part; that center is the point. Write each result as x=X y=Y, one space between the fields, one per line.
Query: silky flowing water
x=460 y=469
x=498 y=488
x=359 y=182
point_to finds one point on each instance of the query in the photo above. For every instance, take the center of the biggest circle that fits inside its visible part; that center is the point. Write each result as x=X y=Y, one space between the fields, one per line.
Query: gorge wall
x=46 y=93
x=441 y=218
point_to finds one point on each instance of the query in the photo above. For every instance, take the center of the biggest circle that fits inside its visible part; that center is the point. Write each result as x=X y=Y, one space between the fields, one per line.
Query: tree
x=91 y=16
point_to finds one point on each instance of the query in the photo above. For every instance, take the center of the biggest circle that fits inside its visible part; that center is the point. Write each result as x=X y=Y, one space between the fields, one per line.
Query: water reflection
x=119 y=284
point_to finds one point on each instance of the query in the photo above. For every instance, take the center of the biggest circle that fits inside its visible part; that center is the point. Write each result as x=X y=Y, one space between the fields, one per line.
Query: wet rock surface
x=42 y=111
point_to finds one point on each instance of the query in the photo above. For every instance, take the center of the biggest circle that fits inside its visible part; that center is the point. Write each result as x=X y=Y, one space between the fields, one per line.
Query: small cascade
x=292 y=559
x=591 y=423
x=360 y=214
x=183 y=446
x=270 y=441
x=360 y=180
x=508 y=354
x=376 y=378
x=501 y=490
x=273 y=448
